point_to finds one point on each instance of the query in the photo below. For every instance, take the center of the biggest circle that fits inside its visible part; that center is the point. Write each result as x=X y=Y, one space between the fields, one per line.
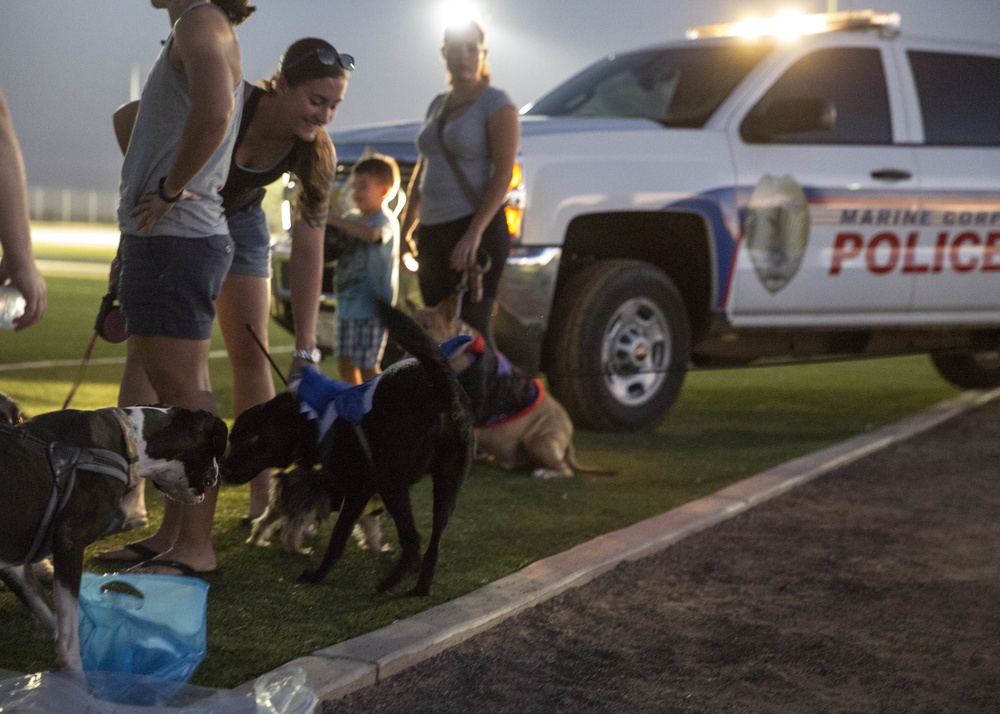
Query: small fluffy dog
x=298 y=498
x=516 y=421
x=301 y=496
x=379 y=438
x=63 y=475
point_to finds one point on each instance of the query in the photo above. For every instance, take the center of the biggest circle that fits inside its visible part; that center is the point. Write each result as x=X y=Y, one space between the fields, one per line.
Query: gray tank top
x=442 y=198
x=163 y=111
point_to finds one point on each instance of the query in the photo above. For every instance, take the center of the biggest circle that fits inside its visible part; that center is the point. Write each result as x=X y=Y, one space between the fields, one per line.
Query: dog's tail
x=412 y=338
x=581 y=468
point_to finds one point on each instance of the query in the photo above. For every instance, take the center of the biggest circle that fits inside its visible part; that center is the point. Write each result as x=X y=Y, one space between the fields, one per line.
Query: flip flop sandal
x=183 y=569
x=134 y=523
x=141 y=552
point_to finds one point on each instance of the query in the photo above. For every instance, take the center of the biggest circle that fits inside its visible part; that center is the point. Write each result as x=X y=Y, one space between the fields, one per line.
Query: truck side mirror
x=788 y=116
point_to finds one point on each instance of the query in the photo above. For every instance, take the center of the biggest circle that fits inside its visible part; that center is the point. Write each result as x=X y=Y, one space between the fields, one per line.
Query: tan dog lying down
x=516 y=421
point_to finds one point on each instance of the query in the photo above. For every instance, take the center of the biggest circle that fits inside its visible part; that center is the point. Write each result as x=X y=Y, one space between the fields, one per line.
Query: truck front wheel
x=619 y=345
x=969 y=369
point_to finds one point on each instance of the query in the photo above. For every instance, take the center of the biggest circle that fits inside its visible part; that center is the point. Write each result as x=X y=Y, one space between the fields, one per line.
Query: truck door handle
x=891 y=175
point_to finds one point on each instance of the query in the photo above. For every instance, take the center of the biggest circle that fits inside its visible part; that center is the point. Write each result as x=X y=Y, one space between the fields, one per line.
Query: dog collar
x=131 y=435
x=452 y=346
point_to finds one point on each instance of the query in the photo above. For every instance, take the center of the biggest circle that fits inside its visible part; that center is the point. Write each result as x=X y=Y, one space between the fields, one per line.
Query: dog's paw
x=387 y=583
x=552 y=473
x=310 y=576
x=368 y=535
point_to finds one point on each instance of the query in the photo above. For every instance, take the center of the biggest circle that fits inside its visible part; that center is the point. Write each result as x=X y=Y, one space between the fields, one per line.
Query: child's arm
x=357 y=229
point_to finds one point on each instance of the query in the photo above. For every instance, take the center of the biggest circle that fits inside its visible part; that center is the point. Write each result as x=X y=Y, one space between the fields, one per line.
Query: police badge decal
x=777 y=230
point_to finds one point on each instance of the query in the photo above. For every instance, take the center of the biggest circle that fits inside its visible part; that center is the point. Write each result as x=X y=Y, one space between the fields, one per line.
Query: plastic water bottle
x=12 y=306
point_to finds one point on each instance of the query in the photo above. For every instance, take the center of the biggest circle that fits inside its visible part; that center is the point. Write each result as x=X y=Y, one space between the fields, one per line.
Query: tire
x=969 y=369
x=620 y=342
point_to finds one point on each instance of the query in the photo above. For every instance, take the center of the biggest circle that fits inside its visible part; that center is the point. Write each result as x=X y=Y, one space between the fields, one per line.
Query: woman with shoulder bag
x=468 y=146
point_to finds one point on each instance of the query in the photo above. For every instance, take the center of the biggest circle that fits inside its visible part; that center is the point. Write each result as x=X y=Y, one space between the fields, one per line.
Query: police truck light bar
x=793 y=25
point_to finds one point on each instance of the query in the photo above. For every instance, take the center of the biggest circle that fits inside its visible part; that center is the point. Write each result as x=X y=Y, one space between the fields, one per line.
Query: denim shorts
x=168 y=284
x=361 y=341
x=252 y=241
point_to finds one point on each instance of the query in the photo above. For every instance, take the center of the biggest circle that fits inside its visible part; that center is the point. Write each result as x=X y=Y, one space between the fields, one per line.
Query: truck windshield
x=677 y=87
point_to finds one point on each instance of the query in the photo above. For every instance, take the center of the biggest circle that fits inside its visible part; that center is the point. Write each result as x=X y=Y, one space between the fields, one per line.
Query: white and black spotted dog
x=63 y=475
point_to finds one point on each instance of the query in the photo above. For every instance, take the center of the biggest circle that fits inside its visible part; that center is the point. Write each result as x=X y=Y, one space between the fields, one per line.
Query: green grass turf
x=728 y=424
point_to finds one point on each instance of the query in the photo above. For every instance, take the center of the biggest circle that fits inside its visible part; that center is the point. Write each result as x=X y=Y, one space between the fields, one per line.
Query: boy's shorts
x=252 y=241
x=168 y=284
x=361 y=341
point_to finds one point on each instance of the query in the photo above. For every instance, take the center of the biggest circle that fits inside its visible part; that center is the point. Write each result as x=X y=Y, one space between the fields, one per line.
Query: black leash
x=472 y=279
x=266 y=354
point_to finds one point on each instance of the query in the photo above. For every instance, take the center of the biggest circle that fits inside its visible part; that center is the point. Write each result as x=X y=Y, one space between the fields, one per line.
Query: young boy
x=367 y=269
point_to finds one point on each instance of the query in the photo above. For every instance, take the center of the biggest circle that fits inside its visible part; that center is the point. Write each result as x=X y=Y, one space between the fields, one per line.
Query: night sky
x=66 y=64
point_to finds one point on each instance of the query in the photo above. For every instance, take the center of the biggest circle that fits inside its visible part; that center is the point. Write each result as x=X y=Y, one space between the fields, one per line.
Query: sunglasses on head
x=327 y=56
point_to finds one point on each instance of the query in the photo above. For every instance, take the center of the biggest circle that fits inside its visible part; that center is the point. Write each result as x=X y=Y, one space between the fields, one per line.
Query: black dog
x=63 y=475
x=418 y=423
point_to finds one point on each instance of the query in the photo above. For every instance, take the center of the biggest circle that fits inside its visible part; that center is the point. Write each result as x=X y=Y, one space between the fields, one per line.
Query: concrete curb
x=335 y=671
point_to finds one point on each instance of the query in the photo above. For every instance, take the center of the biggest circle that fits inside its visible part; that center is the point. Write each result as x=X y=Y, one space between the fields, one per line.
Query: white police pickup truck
x=827 y=189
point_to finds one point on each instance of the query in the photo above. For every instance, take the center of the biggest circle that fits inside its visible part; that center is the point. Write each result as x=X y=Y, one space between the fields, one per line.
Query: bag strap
x=470 y=193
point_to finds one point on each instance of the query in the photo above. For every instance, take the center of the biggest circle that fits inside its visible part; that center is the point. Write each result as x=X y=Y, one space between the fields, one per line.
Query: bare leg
x=348 y=372
x=368 y=373
x=178 y=371
x=135 y=390
x=244 y=300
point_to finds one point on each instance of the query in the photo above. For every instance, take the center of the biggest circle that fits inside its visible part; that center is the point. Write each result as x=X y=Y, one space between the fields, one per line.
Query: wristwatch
x=313 y=355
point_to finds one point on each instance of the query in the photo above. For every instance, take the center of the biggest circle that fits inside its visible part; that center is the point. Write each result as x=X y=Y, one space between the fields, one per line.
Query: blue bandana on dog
x=327 y=399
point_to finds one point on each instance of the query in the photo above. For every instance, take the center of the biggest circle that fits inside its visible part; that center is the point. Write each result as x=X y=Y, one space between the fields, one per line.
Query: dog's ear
x=205 y=425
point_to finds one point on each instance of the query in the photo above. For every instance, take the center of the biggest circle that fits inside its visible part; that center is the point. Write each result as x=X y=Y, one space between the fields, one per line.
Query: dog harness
x=64 y=461
x=326 y=399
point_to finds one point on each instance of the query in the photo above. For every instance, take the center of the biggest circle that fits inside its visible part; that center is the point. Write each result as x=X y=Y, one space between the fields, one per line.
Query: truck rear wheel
x=969 y=369
x=619 y=342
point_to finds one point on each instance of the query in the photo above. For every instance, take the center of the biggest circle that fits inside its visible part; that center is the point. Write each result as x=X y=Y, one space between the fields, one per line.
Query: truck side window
x=677 y=87
x=851 y=80
x=959 y=98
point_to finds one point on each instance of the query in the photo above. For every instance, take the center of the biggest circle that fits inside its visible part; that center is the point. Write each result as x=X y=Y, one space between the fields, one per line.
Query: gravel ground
x=872 y=589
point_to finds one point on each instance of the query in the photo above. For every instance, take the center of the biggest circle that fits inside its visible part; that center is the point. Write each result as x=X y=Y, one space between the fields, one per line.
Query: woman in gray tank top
x=176 y=248
x=468 y=146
